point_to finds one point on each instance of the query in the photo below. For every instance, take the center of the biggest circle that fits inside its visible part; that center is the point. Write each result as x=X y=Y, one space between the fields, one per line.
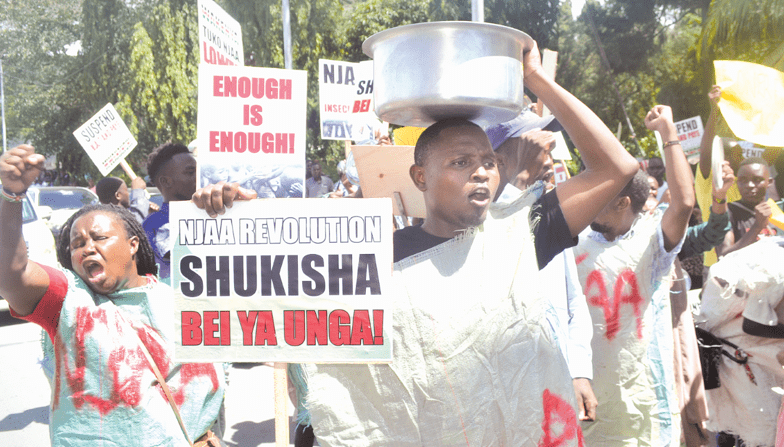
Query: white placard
x=717 y=160
x=106 y=139
x=291 y=280
x=561 y=150
x=346 y=101
x=220 y=36
x=251 y=128
x=690 y=135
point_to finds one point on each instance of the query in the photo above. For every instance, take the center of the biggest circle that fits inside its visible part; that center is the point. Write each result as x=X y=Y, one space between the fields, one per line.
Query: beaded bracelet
x=671 y=143
x=12 y=197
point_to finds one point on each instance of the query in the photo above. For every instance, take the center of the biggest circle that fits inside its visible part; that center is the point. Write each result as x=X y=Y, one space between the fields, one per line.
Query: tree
x=160 y=102
x=315 y=35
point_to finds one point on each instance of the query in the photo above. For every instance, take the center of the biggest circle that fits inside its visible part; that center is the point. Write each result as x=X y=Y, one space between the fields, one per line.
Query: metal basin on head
x=426 y=72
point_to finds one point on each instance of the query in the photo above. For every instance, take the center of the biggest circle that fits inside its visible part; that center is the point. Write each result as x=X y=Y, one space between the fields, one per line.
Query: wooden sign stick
x=127 y=168
x=281 y=383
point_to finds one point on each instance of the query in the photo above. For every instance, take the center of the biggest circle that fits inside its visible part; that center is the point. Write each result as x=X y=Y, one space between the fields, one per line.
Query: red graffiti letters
x=625 y=291
x=558 y=414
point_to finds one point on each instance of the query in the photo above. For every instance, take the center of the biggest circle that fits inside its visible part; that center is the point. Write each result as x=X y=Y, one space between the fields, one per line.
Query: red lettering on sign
x=558 y=412
x=625 y=291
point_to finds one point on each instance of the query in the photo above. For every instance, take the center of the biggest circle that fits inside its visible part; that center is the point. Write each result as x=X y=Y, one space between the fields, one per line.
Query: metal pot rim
x=369 y=44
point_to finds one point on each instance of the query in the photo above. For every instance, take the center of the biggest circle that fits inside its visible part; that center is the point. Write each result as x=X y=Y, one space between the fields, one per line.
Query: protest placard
x=290 y=280
x=251 y=128
x=383 y=172
x=106 y=139
x=690 y=135
x=220 y=36
x=346 y=101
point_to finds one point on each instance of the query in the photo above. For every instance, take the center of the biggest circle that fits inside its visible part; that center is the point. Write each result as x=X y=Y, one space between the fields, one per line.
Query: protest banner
x=220 y=36
x=346 y=101
x=690 y=135
x=383 y=172
x=251 y=128
x=304 y=283
x=106 y=139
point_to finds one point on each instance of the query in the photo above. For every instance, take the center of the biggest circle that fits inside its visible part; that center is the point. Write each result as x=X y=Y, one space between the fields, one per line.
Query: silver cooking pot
x=426 y=72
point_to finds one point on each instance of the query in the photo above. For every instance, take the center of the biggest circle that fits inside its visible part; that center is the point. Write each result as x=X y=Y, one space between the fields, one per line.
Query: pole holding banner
x=286 y=34
x=477 y=10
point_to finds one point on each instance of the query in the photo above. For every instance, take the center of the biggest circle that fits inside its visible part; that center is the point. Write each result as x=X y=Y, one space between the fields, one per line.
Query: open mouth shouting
x=480 y=196
x=94 y=271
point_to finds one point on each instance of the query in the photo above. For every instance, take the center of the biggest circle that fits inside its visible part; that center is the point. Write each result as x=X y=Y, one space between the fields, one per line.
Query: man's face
x=123 y=196
x=753 y=182
x=315 y=171
x=545 y=161
x=654 y=185
x=459 y=180
x=181 y=173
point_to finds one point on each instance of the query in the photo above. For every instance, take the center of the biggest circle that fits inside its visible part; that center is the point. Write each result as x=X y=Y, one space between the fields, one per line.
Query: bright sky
x=577 y=7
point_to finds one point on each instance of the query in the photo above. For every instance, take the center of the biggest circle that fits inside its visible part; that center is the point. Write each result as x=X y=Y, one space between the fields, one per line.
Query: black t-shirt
x=742 y=218
x=551 y=234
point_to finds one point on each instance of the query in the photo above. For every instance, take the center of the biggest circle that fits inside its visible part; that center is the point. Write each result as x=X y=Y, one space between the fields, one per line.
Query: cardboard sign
x=690 y=135
x=346 y=101
x=383 y=171
x=298 y=280
x=106 y=139
x=559 y=173
x=251 y=128
x=220 y=36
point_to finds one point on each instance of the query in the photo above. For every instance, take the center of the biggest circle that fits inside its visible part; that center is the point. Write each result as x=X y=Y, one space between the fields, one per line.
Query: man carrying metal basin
x=474 y=363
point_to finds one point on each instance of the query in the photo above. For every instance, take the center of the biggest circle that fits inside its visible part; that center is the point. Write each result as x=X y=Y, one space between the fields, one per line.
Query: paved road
x=25 y=394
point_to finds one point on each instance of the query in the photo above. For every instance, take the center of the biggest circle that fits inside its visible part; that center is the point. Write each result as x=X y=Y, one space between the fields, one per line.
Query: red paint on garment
x=126 y=363
x=628 y=280
x=189 y=372
x=580 y=258
x=625 y=291
x=558 y=412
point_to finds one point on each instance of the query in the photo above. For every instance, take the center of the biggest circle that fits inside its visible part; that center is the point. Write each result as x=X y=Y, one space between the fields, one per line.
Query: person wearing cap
x=524 y=146
x=474 y=360
x=114 y=191
x=625 y=266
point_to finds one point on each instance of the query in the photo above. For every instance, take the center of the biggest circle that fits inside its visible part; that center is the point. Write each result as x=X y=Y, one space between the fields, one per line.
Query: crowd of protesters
x=567 y=302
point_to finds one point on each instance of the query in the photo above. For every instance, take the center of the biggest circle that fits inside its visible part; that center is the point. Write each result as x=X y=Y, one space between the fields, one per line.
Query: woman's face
x=102 y=254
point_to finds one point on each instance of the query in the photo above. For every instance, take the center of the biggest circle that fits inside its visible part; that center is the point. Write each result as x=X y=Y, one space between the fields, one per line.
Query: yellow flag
x=751 y=98
x=777 y=216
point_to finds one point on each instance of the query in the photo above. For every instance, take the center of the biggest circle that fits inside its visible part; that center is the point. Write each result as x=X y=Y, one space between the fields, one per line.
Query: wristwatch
x=720 y=201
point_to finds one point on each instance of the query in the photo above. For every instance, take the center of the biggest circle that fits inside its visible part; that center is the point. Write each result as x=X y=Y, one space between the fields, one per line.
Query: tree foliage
x=142 y=56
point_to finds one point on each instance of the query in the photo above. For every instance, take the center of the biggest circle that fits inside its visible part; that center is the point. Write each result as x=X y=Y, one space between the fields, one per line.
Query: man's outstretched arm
x=679 y=177
x=609 y=167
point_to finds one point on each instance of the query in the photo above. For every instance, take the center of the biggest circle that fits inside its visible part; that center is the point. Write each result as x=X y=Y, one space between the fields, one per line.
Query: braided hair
x=145 y=258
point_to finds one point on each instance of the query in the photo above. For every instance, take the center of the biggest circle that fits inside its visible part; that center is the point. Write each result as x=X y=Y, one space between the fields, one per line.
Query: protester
x=652 y=201
x=344 y=187
x=318 y=185
x=478 y=366
x=108 y=317
x=749 y=216
x=524 y=158
x=742 y=305
x=688 y=372
x=656 y=170
x=624 y=266
x=114 y=191
x=172 y=169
